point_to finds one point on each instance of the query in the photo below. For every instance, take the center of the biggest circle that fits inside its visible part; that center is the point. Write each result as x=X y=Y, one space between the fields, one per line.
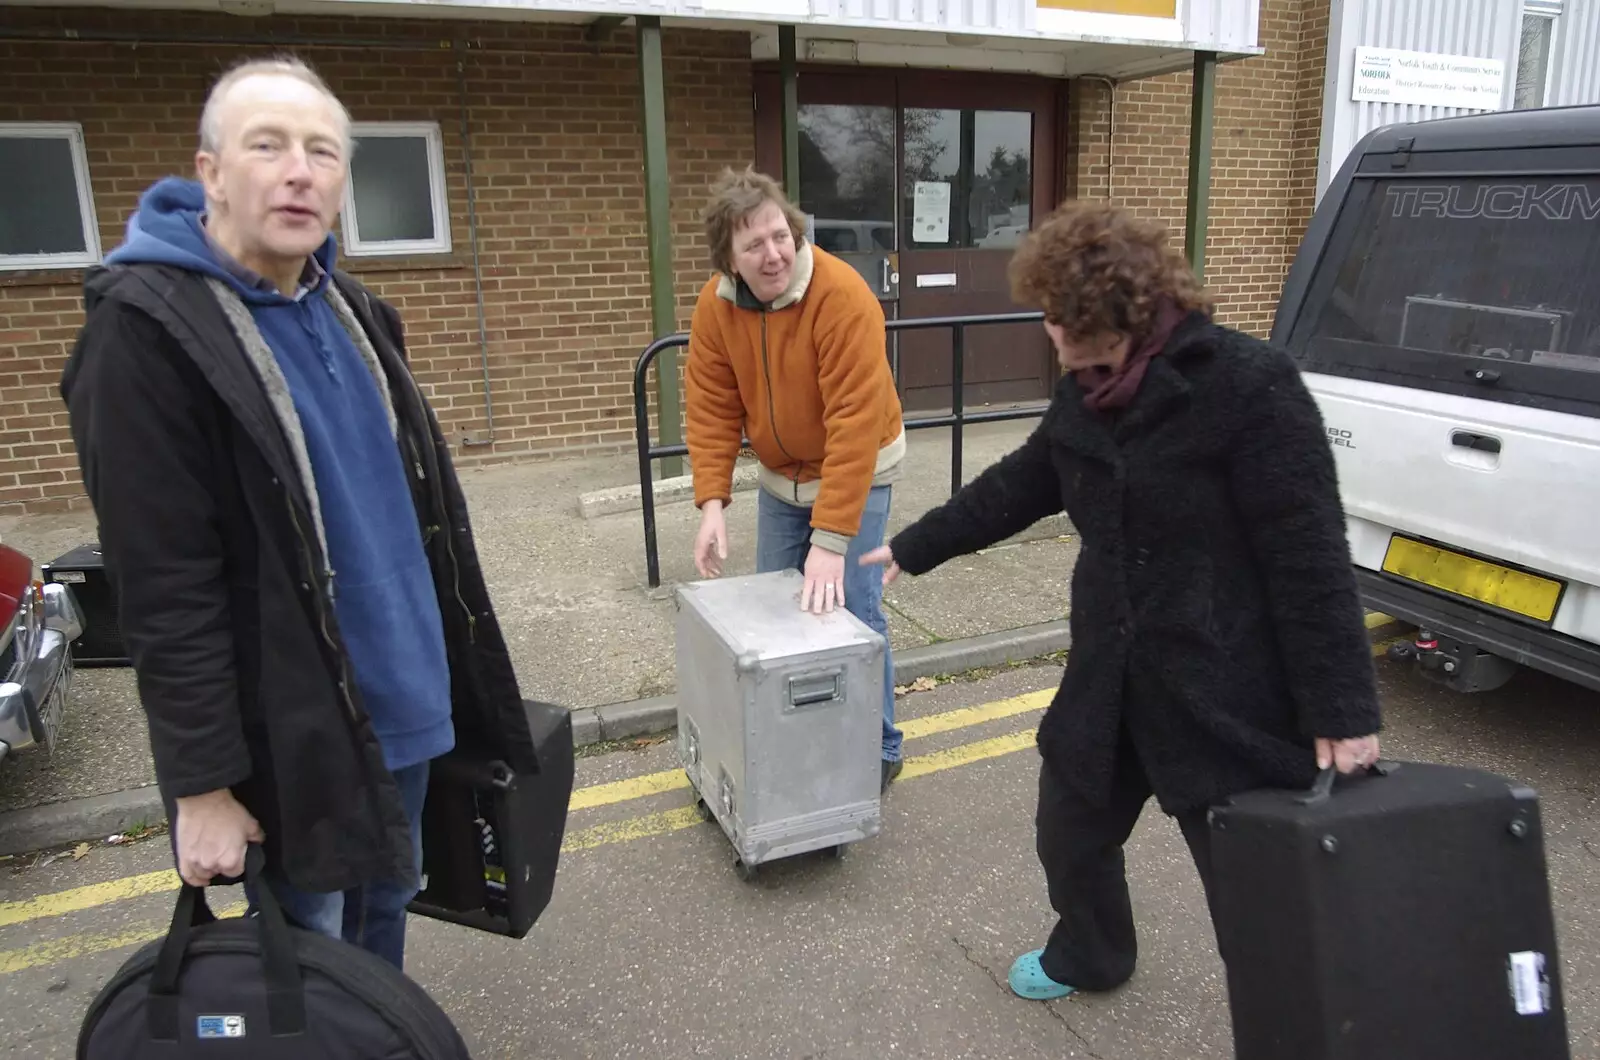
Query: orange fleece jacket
x=807 y=380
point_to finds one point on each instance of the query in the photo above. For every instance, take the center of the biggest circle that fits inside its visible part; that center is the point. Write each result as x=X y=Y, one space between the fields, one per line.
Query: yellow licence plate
x=1476 y=579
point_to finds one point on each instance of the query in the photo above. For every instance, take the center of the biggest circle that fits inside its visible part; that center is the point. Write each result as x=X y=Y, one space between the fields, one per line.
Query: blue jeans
x=372 y=916
x=783 y=538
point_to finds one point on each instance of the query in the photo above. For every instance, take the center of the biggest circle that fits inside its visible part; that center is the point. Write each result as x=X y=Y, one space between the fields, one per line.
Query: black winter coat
x=208 y=541
x=1214 y=607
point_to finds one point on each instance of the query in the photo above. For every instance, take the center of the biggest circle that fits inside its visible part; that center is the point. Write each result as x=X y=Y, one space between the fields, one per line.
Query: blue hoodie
x=384 y=593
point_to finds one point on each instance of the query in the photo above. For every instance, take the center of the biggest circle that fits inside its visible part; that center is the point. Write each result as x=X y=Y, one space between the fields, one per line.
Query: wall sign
x=1464 y=82
x=1145 y=8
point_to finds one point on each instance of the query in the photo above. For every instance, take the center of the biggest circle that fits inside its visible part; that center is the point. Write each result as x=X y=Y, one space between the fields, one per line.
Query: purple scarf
x=1105 y=388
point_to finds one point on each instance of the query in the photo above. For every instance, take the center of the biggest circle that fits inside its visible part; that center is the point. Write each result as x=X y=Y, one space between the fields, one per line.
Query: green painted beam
x=788 y=67
x=1202 y=124
x=657 y=200
x=602 y=27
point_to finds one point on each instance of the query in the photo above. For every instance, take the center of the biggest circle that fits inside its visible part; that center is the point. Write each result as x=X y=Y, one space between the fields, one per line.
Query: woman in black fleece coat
x=1218 y=641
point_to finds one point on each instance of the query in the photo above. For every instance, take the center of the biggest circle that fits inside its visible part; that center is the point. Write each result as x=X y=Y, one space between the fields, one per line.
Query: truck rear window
x=1482 y=286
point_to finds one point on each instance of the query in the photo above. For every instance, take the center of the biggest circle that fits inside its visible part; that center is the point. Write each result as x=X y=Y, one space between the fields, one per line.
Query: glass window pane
x=1533 y=61
x=968 y=178
x=39 y=212
x=392 y=189
x=932 y=140
x=847 y=175
x=1483 y=269
x=999 y=209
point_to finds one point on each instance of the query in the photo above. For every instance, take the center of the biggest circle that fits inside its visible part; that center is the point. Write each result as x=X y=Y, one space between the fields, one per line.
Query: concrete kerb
x=79 y=820
x=616 y=499
x=95 y=818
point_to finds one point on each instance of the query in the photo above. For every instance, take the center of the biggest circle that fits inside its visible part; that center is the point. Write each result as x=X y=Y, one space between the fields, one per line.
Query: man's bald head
x=212 y=132
x=274 y=159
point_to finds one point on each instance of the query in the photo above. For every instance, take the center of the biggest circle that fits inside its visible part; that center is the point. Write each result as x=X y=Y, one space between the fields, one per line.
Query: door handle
x=886 y=284
x=1469 y=440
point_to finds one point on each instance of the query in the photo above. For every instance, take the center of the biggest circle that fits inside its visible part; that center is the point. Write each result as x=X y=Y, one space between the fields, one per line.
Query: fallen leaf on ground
x=80 y=851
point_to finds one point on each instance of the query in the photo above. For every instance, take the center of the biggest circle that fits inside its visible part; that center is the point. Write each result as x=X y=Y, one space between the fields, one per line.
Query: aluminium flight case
x=779 y=717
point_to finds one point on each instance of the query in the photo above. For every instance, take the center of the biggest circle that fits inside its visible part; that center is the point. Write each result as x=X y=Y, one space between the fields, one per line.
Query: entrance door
x=925 y=181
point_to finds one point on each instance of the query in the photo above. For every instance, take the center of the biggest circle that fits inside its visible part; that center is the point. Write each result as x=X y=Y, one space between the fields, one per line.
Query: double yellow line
x=92 y=896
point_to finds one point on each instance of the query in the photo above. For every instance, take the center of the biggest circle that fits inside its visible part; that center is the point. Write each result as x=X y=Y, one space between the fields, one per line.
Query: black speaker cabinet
x=491 y=838
x=84 y=572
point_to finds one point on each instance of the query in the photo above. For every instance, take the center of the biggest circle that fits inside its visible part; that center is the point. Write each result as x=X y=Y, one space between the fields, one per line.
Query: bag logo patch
x=219 y=1027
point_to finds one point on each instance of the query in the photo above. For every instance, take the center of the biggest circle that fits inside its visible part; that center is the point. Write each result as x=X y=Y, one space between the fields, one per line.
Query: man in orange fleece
x=787 y=346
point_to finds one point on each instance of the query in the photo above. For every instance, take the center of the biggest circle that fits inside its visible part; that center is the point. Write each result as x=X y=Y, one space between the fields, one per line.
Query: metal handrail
x=956 y=419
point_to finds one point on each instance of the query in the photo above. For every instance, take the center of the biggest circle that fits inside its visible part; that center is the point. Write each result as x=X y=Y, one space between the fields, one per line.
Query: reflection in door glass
x=1002 y=177
x=847 y=176
x=933 y=167
x=968 y=177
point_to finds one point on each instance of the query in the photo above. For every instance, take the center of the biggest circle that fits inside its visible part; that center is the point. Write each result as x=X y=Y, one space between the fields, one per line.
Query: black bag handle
x=1322 y=788
x=286 y=1003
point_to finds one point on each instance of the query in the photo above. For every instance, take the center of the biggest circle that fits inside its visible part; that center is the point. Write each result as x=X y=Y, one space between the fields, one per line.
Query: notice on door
x=930 y=212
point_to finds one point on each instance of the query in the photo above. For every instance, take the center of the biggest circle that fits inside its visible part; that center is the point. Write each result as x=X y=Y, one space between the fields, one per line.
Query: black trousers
x=1093 y=945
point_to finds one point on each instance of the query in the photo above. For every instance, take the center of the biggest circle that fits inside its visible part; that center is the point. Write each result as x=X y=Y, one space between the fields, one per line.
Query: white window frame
x=1550 y=11
x=438 y=193
x=71 y=132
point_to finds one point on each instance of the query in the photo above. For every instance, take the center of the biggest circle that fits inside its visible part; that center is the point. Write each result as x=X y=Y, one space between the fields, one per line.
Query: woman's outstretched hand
x=881 y=556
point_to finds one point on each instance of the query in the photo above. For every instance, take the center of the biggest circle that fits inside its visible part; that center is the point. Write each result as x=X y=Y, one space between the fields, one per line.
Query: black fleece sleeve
x=1286 y=486
x=1008 y=497
x=137 y=406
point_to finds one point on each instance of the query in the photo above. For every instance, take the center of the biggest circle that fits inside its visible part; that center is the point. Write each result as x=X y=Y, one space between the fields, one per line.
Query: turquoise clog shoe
x=1028 y=980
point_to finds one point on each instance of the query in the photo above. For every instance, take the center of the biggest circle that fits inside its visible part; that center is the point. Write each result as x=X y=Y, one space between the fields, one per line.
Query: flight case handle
x=814 y=689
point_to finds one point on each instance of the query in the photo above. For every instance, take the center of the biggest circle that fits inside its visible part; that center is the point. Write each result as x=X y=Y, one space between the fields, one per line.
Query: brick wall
x=559 y=178
x=1268 y=110
x=558 y=171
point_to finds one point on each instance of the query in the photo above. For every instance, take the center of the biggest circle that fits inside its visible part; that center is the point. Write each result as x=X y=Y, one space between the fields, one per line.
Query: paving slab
x=1014 y=584
x=582 y=625
x=104 y=747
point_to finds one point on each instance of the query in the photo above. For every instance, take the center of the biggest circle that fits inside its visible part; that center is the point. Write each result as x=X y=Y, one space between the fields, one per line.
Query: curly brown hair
x=734 y=197
x=1095 y=268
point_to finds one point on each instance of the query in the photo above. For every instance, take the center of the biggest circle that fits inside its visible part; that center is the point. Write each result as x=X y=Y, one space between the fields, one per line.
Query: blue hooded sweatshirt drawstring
x=385 y=601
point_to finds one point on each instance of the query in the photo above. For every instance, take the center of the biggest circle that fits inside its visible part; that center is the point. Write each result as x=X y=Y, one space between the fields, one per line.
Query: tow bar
x=1455 y=664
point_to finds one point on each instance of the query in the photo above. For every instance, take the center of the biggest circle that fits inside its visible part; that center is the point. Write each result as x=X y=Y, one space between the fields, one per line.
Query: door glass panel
x=847 y=176
x=1000 y=207
x=968 y=178
x=933 y=170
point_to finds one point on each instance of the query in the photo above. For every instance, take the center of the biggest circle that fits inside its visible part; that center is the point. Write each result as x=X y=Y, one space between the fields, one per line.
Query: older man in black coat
x=1217 y=635
x=298 y=584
